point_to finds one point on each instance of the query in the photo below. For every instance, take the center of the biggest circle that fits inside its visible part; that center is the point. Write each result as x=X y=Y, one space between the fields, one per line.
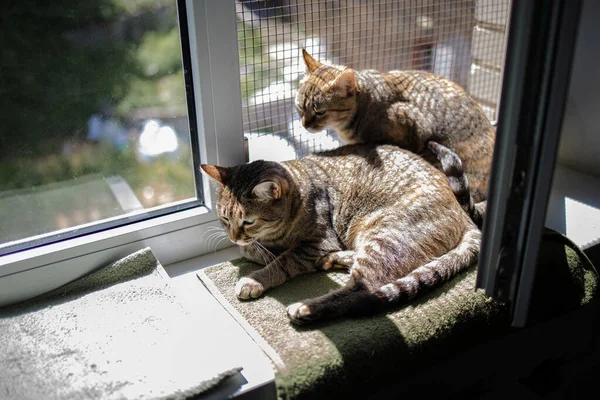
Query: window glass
x=94 y=117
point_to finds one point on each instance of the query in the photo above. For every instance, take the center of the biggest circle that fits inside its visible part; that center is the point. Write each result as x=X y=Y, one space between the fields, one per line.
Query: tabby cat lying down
x=383 y=212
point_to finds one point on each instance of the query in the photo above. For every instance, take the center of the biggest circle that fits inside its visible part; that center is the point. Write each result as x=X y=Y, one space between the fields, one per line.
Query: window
x=116 y=103
x=168 y=67
x=541 y=46
x=163 y=68
x=461 y=40
x=99 y=130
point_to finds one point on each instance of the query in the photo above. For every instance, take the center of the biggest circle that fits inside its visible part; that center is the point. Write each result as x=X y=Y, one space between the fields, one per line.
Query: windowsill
x=574 y=206
x=235 y=343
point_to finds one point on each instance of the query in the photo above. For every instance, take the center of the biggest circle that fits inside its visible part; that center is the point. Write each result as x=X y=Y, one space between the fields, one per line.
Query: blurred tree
x=53 y=77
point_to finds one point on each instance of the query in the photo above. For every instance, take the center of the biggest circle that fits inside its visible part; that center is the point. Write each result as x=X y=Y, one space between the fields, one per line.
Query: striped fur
x=385 y=214
x=451 y=165
x=435 y=271
x=404 y=108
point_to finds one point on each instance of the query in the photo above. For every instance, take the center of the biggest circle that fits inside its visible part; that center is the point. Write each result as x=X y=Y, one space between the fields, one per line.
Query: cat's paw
x=247 y=288
x=337 y=259
x=299 y=312
x=325 y=263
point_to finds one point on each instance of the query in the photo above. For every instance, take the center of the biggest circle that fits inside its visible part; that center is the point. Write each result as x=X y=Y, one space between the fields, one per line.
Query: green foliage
x=166 y=91
x=49 y=85
x=159 y=54
x=135 y=6
x=250 y=55
x=249 y=42
x=61 y=62
x=158 y=80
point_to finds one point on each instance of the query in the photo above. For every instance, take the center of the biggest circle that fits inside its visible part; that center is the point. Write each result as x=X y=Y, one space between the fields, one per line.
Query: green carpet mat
x=349 y=357
x=118 y=333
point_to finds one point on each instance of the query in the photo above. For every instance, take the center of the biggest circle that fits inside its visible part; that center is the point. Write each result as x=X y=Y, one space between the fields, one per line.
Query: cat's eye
x=249 y=221
x=225 y=220
x=319 y=113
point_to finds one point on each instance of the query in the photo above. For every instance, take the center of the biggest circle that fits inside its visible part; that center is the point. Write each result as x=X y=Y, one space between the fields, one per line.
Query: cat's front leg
x=289 y=264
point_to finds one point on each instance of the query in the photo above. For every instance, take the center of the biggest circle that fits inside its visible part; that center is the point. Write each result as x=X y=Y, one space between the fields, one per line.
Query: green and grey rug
x=343 y=357
x=118 y=333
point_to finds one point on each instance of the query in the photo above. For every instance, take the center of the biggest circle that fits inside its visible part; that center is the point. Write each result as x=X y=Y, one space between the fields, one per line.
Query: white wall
x=574 y=205
x=580 y=139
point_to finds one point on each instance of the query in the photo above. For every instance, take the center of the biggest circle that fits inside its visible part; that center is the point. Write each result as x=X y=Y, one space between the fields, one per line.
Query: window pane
x=94 y=115
x=461 y=40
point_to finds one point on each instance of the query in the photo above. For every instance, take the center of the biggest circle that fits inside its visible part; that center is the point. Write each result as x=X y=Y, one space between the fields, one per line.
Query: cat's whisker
x=260 y=252
x=274 y=258
x=267 y=257
x=219 y=242
x=214 y=228
x=210 y=230
x=211 y=236
x=265 y=253
x=216 y=238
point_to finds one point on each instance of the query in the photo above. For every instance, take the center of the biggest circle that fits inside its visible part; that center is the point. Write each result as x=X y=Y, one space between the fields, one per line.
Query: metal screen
x=462 y=40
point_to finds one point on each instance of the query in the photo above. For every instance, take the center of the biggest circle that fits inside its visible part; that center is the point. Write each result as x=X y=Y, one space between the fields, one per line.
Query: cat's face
x=252 y=203
x=327 y=96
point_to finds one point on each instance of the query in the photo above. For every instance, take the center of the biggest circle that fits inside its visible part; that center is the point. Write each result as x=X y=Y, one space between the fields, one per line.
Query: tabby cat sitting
x=405 y=108
x=381 y=211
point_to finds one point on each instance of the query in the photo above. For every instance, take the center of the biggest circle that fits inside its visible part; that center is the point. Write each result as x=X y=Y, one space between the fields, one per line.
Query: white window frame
x=173 y=237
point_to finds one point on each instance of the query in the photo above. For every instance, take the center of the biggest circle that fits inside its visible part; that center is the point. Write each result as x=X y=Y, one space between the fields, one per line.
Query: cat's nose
x=306 y=121
x=233 y=237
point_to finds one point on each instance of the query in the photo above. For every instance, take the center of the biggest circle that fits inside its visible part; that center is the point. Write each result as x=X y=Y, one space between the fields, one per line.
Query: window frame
x=215 y=82
x=540 y=51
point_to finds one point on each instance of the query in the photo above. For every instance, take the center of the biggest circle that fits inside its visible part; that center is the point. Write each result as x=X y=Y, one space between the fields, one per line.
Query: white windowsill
x=234 y=342
x=574 y=206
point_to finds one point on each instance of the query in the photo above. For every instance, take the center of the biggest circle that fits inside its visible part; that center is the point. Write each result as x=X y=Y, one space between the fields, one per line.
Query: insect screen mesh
x=462 y=40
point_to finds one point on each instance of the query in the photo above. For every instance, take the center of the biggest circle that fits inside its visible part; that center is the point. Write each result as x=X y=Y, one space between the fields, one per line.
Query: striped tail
x=436 y=271
x=453 y=169
x=358 y=298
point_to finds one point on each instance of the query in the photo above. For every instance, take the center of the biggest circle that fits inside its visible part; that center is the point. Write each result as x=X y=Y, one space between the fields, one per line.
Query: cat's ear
x=219 y=174
x=270 y=189
x=344 y=84
x=311 y=63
